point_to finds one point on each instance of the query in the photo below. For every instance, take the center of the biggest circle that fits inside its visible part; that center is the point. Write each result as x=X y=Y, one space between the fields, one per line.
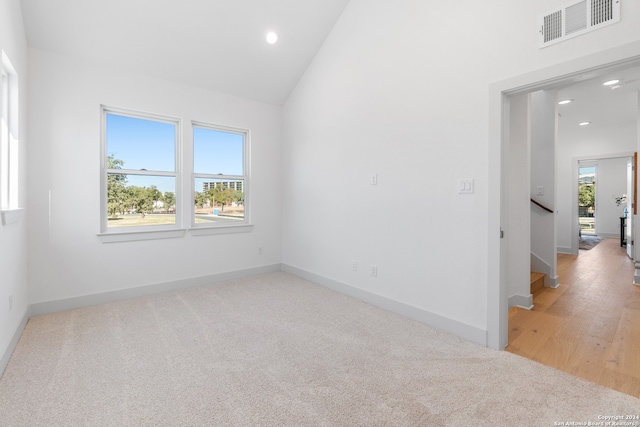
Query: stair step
x=537 y=281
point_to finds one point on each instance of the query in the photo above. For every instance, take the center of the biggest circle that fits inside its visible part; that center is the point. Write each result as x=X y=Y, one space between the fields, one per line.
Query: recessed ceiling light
x=584 y=123
x=565 y=101
x=272 y=37
x=611 y=82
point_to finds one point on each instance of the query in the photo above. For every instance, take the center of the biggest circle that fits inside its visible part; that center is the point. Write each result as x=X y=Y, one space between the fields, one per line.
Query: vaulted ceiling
x=213 y=44
x=220 y=45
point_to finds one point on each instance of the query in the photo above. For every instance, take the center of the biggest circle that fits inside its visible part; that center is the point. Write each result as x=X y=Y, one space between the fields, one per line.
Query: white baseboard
x=609 y=235
x=563 y=250
x=523 y=301
x=6 y=354
x=47 y=307
x=462 y=330
x=436 y=321
x=537 y=264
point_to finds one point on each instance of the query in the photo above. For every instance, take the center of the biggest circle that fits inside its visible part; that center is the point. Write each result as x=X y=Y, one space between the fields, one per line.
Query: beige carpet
x=275 y=350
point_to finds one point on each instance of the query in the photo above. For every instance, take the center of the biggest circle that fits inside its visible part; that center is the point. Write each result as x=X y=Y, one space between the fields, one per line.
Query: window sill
x=132 y=236
x=11 y=216
x=227 y=229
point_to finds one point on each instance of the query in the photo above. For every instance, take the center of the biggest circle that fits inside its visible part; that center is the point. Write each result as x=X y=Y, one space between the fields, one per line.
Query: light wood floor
x=590 y=325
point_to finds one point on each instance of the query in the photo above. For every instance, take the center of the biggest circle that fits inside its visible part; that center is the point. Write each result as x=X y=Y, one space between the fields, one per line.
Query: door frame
x=575 y=187
x=571 y=71
x=576 y=169
x=631 y=202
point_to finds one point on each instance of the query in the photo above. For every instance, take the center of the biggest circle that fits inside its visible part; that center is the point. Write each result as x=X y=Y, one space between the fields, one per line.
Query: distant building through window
x=235 y=185
x=142 y=176
x=220 y=175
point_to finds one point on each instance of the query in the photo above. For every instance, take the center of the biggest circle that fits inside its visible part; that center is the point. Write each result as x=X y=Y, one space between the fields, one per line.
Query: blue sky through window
x=217 y=152
x=586 y=174
x=141 y=143
x=162 y=183
x=144 y=144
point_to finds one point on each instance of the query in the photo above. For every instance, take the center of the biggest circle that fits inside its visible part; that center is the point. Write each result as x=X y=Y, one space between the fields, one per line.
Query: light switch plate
x=465 y=186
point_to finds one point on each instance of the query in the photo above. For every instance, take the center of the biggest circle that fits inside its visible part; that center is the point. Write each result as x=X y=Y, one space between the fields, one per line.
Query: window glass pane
x=218 y=200
x=140 y=200
x=217 y=152
x=141 y=144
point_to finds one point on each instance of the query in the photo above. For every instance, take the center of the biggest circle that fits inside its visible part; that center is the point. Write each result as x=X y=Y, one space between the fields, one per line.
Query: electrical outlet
x=260 y=250
x=374 y=179
x=354 y=265
x=10 y=302
x=374 y=271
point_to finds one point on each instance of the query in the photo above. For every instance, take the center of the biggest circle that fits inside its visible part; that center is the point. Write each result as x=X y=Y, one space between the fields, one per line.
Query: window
x=142 y=178
x=220 y=179
x=8 y=136
x=140 y=189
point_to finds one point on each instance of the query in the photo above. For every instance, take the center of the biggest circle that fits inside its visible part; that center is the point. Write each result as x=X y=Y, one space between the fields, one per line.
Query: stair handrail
x=542 y=206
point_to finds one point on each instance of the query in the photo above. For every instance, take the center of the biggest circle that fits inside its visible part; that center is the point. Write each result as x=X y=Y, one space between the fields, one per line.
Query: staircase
x=537 y=282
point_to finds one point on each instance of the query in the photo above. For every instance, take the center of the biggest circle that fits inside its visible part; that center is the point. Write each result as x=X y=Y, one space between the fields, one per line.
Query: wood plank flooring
x=590 y=325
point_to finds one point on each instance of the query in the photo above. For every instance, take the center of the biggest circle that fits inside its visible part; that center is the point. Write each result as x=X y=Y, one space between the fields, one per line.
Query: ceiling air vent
x=576 y=19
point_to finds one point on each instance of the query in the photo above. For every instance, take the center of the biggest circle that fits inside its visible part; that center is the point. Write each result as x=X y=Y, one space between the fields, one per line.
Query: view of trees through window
x=137 y=205
x=587 y=199
x=222 y=199
x=219 y=181
x=141 y=172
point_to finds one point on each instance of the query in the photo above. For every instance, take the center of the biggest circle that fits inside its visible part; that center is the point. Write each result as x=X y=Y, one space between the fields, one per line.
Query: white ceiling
x=214 y=44
x=599 y=104
x=220 y=45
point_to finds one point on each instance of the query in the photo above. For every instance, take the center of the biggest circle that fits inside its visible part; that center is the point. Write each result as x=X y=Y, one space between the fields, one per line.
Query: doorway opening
x=587 y=193
x=555 y=76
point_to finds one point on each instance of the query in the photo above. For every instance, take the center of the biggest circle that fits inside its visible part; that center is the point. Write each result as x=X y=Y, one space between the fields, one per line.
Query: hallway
x=590 y=325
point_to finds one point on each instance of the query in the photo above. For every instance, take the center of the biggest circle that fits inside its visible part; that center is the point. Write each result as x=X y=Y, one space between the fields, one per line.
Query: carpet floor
x=275 y=350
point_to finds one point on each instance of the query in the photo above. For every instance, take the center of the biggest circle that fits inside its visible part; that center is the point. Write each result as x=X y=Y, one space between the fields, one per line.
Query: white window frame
x=9 y=143
x=224 y=227
x=107 y=234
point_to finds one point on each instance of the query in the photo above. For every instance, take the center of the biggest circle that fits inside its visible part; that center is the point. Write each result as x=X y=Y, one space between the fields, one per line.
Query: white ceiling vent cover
x=576 y=19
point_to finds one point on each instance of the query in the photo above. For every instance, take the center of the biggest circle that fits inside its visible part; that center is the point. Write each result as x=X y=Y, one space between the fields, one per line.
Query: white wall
x=518 y=231
x=543 y=180
x=590 y=142
x=66 y=257
x=401 y=88
x=611 y=182
x=13 y=240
